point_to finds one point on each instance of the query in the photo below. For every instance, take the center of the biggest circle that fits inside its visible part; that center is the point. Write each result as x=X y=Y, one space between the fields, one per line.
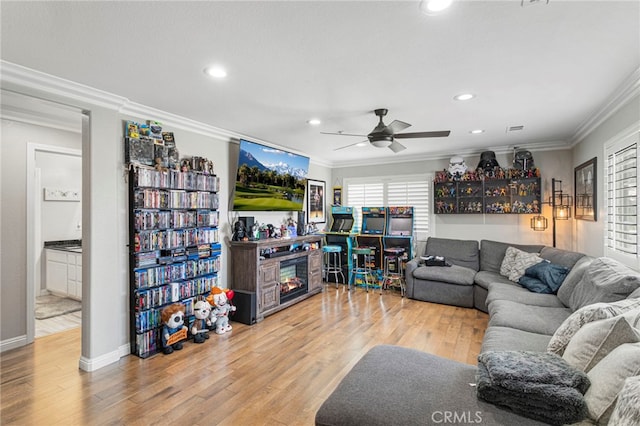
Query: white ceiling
x=546 y=67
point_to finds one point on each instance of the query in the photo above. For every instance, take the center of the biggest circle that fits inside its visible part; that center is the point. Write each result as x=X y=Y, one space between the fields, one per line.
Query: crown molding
x=18 y=75
x=555 y=145
x=629 y=89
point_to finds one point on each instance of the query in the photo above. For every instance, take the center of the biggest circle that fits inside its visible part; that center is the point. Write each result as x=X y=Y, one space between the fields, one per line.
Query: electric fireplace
x=293 y=278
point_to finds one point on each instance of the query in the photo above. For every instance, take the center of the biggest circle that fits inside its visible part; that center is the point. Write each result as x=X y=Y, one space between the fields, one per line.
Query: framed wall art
x=316 y=210
x=337 y=196
x=585 y=179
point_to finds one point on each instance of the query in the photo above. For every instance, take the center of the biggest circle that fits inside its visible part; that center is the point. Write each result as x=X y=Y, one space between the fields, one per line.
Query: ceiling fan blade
x=397 y=126
x=397 y=147
x=350 y=145
x=437 y=134
x=342 y=134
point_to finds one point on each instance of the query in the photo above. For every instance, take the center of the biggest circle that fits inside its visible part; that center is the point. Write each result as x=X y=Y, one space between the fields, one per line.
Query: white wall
x=589 y=236
x=510 y=228
x=60 y=220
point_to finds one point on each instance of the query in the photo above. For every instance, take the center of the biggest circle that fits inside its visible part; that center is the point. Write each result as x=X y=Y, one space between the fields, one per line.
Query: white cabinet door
x=74 y=275
x=56 y=275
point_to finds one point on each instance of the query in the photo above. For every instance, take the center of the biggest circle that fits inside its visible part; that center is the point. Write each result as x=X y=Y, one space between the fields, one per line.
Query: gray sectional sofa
x=392 y=385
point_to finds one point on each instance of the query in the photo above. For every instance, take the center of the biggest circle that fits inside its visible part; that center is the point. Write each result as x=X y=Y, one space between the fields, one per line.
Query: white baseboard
x=12 y=343
x=93 y=364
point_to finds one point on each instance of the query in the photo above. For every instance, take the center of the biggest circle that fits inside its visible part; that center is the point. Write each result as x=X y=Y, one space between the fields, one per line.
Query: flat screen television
x=269 y=179
x=373 y=225
x=400 y=226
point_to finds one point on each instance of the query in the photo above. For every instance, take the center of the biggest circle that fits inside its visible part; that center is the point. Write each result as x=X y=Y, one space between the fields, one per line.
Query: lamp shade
x=562 y=212
x=539 y=223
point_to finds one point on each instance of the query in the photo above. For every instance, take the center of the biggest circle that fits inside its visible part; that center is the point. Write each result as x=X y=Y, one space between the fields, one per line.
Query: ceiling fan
x=383 y=136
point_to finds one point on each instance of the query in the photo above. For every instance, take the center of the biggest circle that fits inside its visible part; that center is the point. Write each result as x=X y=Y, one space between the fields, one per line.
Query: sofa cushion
x=486 y=278
x=511 y=339
x=627 y=409
x=392 y=385
x=585 y=315
x=560 y=257
x=453 y=274
x=492 y=253
x=516 y=293
x=606 y=280
x=595 y=340
x=535 y=319
x=573 y=278
x=607 y=379
x=457 y=252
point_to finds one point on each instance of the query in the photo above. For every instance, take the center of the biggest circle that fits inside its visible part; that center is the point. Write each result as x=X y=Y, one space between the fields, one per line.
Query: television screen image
x=400 y=226
x=373 y=225
x=269 y=179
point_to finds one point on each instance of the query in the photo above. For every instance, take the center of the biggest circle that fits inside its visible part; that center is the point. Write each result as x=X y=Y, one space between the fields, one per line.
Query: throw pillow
x=507 y=261
x=573 y=279
x=585 y=315
x=549 y=273
x=521 y=262
x=627 y=409
x=606 y=280
x=607 y=379
x=595 y=340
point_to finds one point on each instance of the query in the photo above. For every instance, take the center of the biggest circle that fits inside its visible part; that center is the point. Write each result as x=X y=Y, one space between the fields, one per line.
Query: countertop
x=73 y=246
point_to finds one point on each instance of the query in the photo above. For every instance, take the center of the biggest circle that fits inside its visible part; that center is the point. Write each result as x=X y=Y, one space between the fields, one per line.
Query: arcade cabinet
x=399 y=231
x=371 y=234
x=341 y=234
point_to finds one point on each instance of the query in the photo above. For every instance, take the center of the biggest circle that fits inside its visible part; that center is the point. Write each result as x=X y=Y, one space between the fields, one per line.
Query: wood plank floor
x=277 y=372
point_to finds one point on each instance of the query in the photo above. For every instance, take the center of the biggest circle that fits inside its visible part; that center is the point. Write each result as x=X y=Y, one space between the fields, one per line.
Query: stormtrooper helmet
x=457 y=166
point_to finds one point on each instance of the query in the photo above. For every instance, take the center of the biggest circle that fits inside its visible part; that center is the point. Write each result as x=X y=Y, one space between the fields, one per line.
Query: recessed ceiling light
x=476 y=131
x=464 y=96
x=314 y=121
x=215 y=71
x=432 y=7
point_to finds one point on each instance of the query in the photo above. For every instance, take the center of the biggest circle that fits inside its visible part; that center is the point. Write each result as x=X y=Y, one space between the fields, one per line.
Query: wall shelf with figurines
x=487 y=190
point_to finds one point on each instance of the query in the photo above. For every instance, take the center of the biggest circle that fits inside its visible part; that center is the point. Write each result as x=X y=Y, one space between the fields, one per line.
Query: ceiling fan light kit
x=433 y=7
x=383 y=136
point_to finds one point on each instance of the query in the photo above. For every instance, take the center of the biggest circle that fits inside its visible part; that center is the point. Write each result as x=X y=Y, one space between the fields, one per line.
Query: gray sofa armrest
x=409 y=267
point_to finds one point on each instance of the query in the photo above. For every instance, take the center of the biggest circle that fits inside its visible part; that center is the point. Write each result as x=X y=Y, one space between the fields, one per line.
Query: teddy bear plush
x=174 y=331
x=200 y=325
x=220 y=301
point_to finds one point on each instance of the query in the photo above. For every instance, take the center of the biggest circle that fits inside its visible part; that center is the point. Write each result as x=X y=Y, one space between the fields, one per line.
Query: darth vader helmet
x=488 y=161
x=523 y=160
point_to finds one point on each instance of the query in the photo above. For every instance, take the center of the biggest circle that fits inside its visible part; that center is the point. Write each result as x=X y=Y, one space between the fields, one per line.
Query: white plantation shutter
x=621 y=238
x=391 y=191
x=360 y=195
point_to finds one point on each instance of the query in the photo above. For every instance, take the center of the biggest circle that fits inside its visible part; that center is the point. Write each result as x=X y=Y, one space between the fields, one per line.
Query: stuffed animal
x=200 y=325
x=174 y=330
x=220 y=300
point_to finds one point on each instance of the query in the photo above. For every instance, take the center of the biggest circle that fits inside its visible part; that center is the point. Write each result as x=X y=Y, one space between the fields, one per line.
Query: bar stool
x=332 y=262
x=393 y=257
x=362 y=260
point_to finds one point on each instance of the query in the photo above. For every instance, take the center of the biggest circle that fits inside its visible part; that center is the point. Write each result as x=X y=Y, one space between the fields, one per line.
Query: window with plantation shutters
x=396 y=191
x=621 y=233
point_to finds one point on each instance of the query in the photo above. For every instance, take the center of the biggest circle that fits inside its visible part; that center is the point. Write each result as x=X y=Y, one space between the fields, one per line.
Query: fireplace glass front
x=293 y=278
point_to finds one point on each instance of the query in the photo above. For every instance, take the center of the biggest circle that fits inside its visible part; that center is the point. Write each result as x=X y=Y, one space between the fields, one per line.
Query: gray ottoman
x=392 y=385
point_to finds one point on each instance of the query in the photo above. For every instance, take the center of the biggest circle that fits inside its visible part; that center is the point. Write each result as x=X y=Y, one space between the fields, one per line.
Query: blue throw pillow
x=534 y=284
x=550 y=274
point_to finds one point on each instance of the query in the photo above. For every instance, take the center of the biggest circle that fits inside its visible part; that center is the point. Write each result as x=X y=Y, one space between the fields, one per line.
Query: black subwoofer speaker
x=245 y=302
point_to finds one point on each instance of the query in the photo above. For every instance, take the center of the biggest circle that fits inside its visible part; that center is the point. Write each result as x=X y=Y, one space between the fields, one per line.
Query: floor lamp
x=560 y=209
